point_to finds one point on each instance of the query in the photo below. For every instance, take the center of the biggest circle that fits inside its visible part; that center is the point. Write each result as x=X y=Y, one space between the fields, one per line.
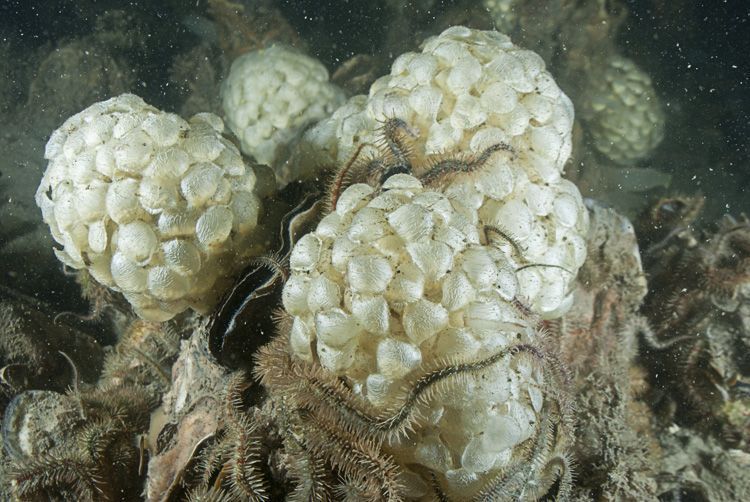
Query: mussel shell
x=244 y=319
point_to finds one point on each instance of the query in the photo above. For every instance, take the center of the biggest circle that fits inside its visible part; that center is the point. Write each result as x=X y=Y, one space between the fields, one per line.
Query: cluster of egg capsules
x=149 y=203
x=400 y=278
x=464 y=92
x=271 y=94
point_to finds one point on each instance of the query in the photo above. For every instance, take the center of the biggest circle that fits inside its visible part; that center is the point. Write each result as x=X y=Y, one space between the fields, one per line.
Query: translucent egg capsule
x=214 y=225
x=371 y=313
x=378 y=388
x=137 y=241
x=434 y=259
x=200 y=183
x=396 y=358
x=407 y=284
x=177 y=223
x=169 y=164
x=411 y=222
x=300 y=337
x=306 y=253
x=128 y=275
x=323 y=294
x=294 y=295
x=246 y=208
x=166 y=284
x=122 y=202
x=423 y=319
x=164 y=128
x=155 y=195
x=182 y=256
x=133 y=152
x=91 y=200
x=335 y=327
x=98 y=238
x=457 y=291
x=368 y=274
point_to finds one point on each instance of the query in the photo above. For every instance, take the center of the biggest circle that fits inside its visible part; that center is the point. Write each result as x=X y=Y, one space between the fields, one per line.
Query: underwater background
x=679 y=172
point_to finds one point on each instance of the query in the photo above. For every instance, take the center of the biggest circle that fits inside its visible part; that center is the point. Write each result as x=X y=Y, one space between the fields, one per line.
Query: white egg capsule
x=213 y=226
x=396 y=358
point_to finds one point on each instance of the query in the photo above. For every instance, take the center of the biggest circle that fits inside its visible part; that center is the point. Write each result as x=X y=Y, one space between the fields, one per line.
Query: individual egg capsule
x=128 y=275
x=426 y=101
x=98 y=238
x=166 y=284
x=460 y=343
x=200 y=183
x=65 y=207
x=335 y=327
x=540 y=107
x=133 y=152
x=433 y=258
x=323 y=294
x=213 y=226
x=246 y=208
x=231 y=160
x=378 y=388
x=368 y=224
x=82 y=168
x=566 y=210
x=395 y=358
x=330 y=226
x=423 y=319
x=498 y=97
x=169 y=164
x=547 y=142
x=182 y=256
x=476 y=457
x=479 y=267
x=164 y=128
x=176 y=223
x=468 y=112
x=492 y=313
x=74 y=145
x=126 y=123
x=337 y=360
x=431 y=452
x=369 y=274
x=156 y=195
x=306 y=253
x=122 y=201
x=91 y=200
x=105 y=160
x=511 y=215
x=295 y=293
x=202 y=142
x=100 y=269
x=461 y=478
x=137 y=241
x=371 y=313
x=342 y=251
x=352 y=198
x=442 y=137
x=552 y=293
x=407 y=285
x=411 y=222
x=457 y=291
x=300 y=339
